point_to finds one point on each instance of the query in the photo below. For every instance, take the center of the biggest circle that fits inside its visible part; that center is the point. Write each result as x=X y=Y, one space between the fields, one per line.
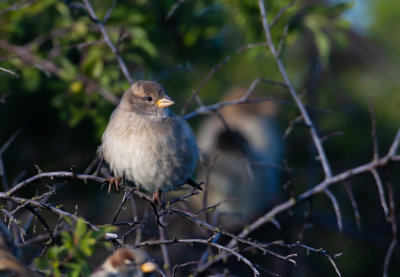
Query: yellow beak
x=165 y=102
x=148 y=267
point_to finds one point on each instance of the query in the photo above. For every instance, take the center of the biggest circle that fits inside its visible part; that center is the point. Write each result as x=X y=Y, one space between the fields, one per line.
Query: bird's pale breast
x=152 y=152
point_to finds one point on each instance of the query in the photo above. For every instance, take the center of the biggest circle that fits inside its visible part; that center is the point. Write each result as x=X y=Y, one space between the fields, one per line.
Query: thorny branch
x=37 y=204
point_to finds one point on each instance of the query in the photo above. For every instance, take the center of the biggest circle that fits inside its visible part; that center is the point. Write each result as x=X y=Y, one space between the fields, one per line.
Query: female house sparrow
x=126 y=262
x=148 y=144
x=239 y=178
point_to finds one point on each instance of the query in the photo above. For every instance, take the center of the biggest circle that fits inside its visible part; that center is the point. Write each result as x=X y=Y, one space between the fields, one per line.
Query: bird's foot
x=158 y=204
x=193 y=184
x=114 y=181
x=157 y=198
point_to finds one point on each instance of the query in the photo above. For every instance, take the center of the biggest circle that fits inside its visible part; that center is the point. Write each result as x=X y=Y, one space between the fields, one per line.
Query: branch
x=336 y=207
x=48 y=67
x=243 y=100
x=100 y=24
x=173 y=9
x=300 y=105
x=37 y=204
x=9 y=72
x=213 y=70
x=319 y=188
x=206 y=242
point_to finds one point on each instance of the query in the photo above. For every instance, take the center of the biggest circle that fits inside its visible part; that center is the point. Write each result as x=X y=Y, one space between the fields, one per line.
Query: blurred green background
x=337 y=53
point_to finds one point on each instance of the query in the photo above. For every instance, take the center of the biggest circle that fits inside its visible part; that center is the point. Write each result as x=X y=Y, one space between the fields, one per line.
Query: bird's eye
x=148 y=98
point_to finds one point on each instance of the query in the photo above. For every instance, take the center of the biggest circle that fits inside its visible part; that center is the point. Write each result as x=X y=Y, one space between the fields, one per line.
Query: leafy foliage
x=69 y=258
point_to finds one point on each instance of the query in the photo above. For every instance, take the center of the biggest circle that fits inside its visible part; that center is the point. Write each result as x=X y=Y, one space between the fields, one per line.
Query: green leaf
x=31 y=78
x=80 y=228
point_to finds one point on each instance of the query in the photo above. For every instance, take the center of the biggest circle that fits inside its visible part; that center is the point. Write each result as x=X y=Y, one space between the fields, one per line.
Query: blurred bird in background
x=9 y=264
x=126 y=262
x=243 y=179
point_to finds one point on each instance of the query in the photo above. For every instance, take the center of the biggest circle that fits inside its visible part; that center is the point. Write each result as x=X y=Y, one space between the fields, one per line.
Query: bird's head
x=147 y=98
x=127 y=262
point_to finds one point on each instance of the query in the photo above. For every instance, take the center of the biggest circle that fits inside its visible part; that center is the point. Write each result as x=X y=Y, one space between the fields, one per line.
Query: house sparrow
x=240 y=178
x=126 y=262
x=147 y=143
x=10 y=265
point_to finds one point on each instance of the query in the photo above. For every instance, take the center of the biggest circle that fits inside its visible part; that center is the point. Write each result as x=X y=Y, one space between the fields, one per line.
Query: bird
x=246 y=144
x=10 y=265
x=148 y=144
x=126 y=262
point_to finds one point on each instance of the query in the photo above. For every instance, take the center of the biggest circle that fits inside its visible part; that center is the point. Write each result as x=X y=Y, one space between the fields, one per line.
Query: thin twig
x=177 y=266
x=242 y=100
x=173 y=9
x=392 y=220
x=280 y=13
x=373 y=128
x=206 y=242
x=103 y=30
x=9 y=72
x=206 y=185
x=17 y=5
x=213 y=70
x=336 y=207
x=223 y=232
x=357 y=214
x=381 y=191
x=127 y=195
x=109 y=11
x=9 y=141
x=34 y=203
x=317 y=142
x=164 y=249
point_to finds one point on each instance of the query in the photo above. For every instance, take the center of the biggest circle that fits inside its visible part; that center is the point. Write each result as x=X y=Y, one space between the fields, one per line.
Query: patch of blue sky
x=359 y=15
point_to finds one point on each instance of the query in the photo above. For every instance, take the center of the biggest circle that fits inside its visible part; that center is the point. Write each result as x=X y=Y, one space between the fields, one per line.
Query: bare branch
x=373 y=128
x=17 y=5
x=334 y=134
x=336 y=207
x=206 y=242
x=243 y=100
x=164 y=249
x=357 y=214
x=204 y=82
x=213 y=70
x=381 y=192
x=282 y=40
x=9 y=141
x=392 y=220
x=395 y=145
x=173 y=9
x=321 y=187
x=100 y=24
x=57 y=174
x=280 y=13
x=177 y=266
x=109 y=11
x=37 y=204
x=304 y=113
x=9 y=72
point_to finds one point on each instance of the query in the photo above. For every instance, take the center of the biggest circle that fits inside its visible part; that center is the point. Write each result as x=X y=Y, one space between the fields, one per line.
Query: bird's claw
x=113 y=181
x=157 y=198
